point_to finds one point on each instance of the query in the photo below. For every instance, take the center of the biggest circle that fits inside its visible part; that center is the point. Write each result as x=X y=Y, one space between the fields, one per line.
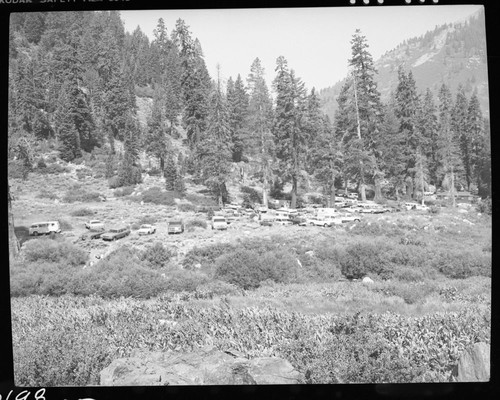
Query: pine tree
x=459 y=127
x=214 y=149
x=237 y=99
x=288 y=130
x=448 y=147
x=129 y=171
x=408 y=112
x=258 y=138
x=479 y=141
x=156 y=142
x=195 y=83
x=368 y=114
x=170 y=173
x=429 y=127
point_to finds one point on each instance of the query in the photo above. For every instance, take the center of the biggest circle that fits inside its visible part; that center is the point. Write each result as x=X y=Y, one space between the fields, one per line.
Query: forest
x=75 y=78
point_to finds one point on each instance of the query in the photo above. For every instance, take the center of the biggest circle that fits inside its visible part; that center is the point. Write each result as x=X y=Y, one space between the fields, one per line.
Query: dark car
x=116 y=233
x=266 y=222
x=298 y=220
x=176 y=226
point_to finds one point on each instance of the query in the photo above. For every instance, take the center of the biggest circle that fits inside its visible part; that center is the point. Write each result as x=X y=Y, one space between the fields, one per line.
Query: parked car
x=94 y=224
x=266 y=222
x=415 y=206
x=219 y=222
x=44 y=228
x=95 y=233
x=146 y=229
x=176 y=226
x=325 y=221
x=116 y=233
x=345 y=217
x=283 y=221
x=297 y=220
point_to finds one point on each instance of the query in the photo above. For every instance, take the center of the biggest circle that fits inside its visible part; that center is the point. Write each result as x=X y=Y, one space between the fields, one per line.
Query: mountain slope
x=452 y=54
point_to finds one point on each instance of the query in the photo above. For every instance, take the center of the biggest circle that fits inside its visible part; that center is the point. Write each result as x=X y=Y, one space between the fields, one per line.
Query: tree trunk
x=13 y=242
x=332 y=195
x=397 y=193
x=346 y=183
x=294 y=193
x=378 y=190
x=264 y=191
x=452 y=188
x=162 y=164
x=409 y=188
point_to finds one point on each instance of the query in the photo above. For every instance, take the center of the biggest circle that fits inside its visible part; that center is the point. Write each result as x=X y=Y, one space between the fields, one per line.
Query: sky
x=314 y=41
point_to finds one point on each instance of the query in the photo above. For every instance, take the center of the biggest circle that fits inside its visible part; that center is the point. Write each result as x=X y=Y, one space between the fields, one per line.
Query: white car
x=283 y=221
x=94 y=224
x=146 y=229
x=349 y=218
x=324 y=221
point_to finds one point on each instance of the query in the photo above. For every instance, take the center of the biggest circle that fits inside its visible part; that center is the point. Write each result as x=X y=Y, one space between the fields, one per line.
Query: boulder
x=473 y=365
x=203 y=366
x=367 y=280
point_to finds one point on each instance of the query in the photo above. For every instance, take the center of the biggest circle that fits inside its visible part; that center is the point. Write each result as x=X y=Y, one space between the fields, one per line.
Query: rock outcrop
x=204 y=366
x=473 y=365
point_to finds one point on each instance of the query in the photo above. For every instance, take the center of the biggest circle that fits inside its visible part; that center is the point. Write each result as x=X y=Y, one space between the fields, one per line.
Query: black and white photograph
x=261 y=196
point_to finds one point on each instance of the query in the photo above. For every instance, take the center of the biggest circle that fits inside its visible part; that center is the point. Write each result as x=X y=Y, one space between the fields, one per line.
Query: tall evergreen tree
x=170 y=173
x=288 y=130
x=258 y=138
x=214 y=149
x=448 y=146
x=195 y=83
x=368 y=114
x=459 y=127
x=429 y=128
x=237 y=99
x=129 y=171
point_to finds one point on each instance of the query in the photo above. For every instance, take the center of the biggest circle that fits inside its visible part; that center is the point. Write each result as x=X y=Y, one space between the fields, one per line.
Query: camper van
x=44 y=228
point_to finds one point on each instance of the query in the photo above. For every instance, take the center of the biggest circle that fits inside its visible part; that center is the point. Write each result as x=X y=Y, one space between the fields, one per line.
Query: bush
x=247 y=268
x=461 y=265
x=114 y=182
x=125 y=191
x=360 y=259
x=485 y=206
x=157 y=255
x=16 y=169
x=186 y=207
x=147 y=219
x=79 y=194
x=195 y=223
x=55 y=251
x=55 y=169
x=216 y=288
x=156 y=196
x=47 y=194
x=65 y=225
x=41 y=164
x=206 y=255
x=412 y=293
x=82 y=212
x=253 y=195
x=434 y=209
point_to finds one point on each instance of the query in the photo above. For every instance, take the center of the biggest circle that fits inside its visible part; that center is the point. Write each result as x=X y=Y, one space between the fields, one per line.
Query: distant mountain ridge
x=452 y=54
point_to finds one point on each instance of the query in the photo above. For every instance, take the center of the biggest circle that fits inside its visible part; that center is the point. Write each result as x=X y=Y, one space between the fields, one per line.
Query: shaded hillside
x=452 y=54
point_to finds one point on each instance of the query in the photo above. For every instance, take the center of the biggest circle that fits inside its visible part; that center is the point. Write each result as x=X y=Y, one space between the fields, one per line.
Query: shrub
x=199 y=200
x=114 y=182
x=47 y=194
x=144 y=91
x=55 y=251
x=434 y=209
x=55 y=169
x=485 y=206
x=155 y=172
x=461 y=265
x=247 y=268
x=157 y=255
x=83 y=212
x=198 y=223
x=360 y=259
x=179 y=280
x=125 y=191
x=216 y=288
x=41 y=163
x=412 y=293
x=147 y=219
x=82 y=173
x=79 y=194
x=186 y=207
x=253 y=195
x=206 y=255
x=16 y=169
x=156 y=196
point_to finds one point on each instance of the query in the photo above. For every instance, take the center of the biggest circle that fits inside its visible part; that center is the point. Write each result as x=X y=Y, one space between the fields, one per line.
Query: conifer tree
x=214 y=149
x=448 y=147
x=368 y=114
x=429 y=128
x=288 y=130
x=237 y=100
x=170 y=173
x=129 y=172
x=258 y=139
x=459 y=127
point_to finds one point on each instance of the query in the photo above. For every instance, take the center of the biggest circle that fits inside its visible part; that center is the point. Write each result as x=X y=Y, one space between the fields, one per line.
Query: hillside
x=452 y=54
